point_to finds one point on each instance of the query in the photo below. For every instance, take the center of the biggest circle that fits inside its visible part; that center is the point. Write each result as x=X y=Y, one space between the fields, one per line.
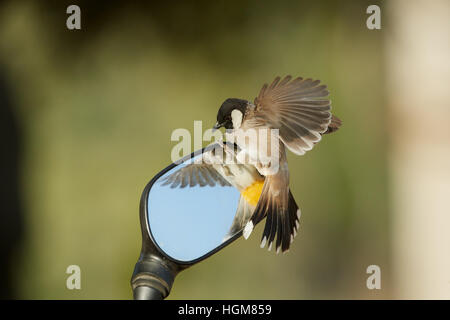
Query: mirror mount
x=152 y=278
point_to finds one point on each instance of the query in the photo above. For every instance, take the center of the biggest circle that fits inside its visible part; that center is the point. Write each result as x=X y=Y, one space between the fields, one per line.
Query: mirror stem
x=152 y=278
x=146 y=293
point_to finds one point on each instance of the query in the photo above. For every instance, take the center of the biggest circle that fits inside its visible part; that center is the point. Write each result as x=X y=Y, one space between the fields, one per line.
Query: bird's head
x=231 y=113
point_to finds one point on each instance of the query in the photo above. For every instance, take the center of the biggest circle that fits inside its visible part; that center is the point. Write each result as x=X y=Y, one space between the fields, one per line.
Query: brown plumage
x=334 y=125
x=300 y=110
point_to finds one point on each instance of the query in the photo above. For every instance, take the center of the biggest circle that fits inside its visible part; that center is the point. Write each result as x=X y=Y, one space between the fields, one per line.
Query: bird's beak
x=217 y=126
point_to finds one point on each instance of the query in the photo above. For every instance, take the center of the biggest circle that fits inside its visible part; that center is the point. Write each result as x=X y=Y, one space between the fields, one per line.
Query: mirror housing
x=155 y=271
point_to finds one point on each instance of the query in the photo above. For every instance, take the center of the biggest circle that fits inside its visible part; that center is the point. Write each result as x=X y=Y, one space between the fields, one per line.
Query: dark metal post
x=152 y=278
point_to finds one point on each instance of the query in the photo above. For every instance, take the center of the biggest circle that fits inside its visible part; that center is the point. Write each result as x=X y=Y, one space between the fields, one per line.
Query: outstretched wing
x=298 y=108
x=195 y=174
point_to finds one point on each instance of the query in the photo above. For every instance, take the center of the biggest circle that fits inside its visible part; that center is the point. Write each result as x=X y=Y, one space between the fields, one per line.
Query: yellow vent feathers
x=252 y=193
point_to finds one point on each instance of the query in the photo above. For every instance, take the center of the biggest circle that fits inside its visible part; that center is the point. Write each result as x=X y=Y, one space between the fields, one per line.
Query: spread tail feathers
x=285 y=224
x=283 y=219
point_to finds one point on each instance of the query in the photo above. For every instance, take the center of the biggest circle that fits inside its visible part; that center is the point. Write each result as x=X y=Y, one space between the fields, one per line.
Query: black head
x=224 y=113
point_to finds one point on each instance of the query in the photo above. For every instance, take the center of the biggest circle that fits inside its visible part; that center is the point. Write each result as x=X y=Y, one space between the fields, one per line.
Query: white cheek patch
x=236 y=118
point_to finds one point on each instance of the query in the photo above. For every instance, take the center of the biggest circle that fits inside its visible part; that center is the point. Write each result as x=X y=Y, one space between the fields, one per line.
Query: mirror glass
x=188 y=217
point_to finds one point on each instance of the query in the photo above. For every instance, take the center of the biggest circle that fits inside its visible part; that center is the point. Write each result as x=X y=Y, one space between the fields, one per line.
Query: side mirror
x=186 y=216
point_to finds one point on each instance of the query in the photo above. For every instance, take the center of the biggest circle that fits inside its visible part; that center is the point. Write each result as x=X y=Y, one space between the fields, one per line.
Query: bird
x=299 y=112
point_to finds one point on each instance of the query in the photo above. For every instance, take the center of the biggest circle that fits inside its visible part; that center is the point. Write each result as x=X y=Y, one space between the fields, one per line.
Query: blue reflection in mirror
x=187 y=223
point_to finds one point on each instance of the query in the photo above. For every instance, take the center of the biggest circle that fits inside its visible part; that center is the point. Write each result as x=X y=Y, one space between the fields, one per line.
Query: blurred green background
x=96 y=108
